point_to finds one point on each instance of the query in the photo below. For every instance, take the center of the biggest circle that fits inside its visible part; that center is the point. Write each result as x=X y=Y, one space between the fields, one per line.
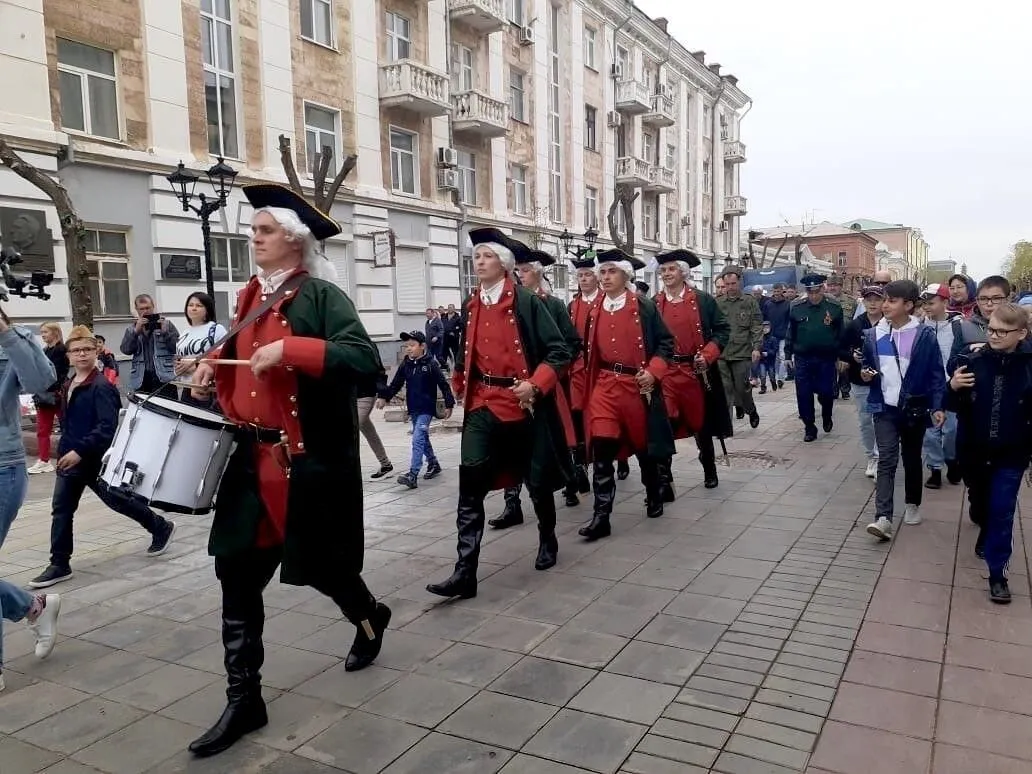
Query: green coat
x=848 y=304
x=324 y=512
x=561 y=315
x=550 y=465
x=746 y=320
x=814 y=330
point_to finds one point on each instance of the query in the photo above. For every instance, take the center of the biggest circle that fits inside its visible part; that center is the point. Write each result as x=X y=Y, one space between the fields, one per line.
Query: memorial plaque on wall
x=180 y=267
x=26 y=231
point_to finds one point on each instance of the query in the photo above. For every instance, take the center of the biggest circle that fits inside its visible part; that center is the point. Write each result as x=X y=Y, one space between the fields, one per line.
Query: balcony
x=661 y=114
x=484 y=16
x=633 y=97
x=734 y=151
x=414 y=86
x=661 y=179
x=478 y=114
x=735 y=205
x=636 y=173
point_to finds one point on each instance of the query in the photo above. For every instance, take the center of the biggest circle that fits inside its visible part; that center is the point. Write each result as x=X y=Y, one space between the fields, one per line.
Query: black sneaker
x=781 y=383
x=433 y=470
x=159 y=544
x=999 y=591
x=763 y=390
x=934 y=479
x=828 y=424
x=383 y=471
x=754 y=419
x=953 y=474
x=50 y=577
x=810 y=434
x=407 y=479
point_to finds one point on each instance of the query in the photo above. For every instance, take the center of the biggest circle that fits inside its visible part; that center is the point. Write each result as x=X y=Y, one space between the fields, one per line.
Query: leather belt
x=620 y=368
x=261 y=434
x=683 y=359
x=495 y=381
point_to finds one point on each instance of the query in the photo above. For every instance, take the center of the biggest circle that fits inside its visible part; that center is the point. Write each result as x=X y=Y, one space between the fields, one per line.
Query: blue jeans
x=998 y=487
x=940 y=443
x=14 y=602
x=780 y=366
x=866 y=421
x=421 y=446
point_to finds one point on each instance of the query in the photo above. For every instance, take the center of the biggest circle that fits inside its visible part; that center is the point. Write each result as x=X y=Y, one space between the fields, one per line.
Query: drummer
x=295 y=403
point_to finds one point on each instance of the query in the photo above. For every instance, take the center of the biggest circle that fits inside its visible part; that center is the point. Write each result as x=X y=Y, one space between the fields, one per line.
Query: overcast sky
x=893 y=110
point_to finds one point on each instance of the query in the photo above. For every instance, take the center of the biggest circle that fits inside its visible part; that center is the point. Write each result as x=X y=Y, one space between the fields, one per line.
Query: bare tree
x=71 y=229
x=325 y=191
x=623 y=200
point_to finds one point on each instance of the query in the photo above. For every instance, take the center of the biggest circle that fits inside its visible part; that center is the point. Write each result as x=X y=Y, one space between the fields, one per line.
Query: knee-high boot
x=470 y=524
x=580 y=469
x=512 y=513
x=708 y=458
x=650 y=478
x=604 y=486
x=548 y=545
x=666 y=480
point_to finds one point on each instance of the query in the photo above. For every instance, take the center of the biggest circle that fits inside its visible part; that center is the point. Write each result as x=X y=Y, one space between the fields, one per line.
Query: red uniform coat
x=682 y=390
x=579 y=313
x=615 y=407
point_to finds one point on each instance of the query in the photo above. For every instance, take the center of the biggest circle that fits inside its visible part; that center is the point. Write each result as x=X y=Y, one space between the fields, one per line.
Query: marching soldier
x=743 y=347
x=629 y=350
x=833 y=290
x=692 y=389
x=579 y=308
x=509 y=362
x=814 y=336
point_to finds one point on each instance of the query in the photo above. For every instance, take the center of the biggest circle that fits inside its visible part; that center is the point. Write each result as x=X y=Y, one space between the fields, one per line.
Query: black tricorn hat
x=583 y=262
x=261 y=195
x=479 y=236
x=529 y=256
x=616 y=254
x=679 y=255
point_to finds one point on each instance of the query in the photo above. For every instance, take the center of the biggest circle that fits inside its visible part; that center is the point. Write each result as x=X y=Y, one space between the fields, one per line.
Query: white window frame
x=590 y=48
x=590 y=207
x=556 y=191
x=230 y=242
x=220 y=73
x=467 y=169
x=707 y=182
x=401 y=153
x=313 y=35
x=101 y=259
x=648 y=146
x=670 y=160
x=319 y=132
x=520 y=194
x=591 y=127
x=707 y=120
x=397 y=40
x=648 y=218
x=84 y=77
x=623 y=58
x=517 y=95
x=468 y=279
x=516 y=11
x=671 y=226
x=465 y=62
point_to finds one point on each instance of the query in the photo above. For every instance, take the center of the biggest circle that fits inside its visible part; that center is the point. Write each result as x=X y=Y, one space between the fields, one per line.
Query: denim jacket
x=23 y=369
x=162 y=347
x=925 y=376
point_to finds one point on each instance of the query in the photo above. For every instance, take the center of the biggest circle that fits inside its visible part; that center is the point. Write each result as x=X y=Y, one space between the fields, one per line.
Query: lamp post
x=183 y=181
x=590 y=237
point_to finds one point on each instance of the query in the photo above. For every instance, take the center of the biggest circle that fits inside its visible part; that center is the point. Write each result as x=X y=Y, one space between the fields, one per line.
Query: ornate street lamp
x=221 y=176
x=566 y=240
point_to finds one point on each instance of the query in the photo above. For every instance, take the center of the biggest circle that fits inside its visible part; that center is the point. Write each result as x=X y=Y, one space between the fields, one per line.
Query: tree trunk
x=325 y=193
x=71 y=229
x=624 y=199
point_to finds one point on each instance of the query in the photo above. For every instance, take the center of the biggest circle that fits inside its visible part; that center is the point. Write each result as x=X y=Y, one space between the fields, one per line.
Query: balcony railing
x=413 y=85
x=477 y=113
x=633 y=97
x=484 y=16
x=735 y=205
x=734 y=151
x=661 y=179
x=661 y=113
x=636 y=173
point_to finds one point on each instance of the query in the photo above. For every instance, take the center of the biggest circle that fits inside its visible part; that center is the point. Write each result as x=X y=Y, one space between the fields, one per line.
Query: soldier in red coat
x=692 y=388
x=629 y=349
x=588 y=294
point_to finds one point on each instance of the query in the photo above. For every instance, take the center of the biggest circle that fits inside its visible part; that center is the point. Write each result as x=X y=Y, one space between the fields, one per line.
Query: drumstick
x=190 y=385
x=223 y=361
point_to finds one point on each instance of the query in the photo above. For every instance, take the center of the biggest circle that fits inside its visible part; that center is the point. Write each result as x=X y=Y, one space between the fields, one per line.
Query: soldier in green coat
x=743 y=348
x=833 y=290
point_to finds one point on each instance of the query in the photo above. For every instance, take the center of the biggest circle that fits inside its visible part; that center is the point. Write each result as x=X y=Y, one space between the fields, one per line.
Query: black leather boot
x=650 y=478
x=548 y=545
x=365 y=649
x=623 y=470
x=512 y=514
x=570 y=498
x=666 y=481
x=604 y=486
x=470 y=522
x=580 y=470
x=245 y=708
x=708 y=458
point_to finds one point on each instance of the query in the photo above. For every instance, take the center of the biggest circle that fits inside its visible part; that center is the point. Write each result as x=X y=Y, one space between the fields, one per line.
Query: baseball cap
x=873 y=290
x=414 y=336
x=939 y=289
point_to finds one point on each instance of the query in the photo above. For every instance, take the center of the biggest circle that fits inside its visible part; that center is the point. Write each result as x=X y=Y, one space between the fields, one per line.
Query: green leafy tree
x=1018 y=265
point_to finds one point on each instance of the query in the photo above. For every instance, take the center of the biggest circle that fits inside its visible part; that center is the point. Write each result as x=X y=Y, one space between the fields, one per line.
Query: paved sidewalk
x=754 y=628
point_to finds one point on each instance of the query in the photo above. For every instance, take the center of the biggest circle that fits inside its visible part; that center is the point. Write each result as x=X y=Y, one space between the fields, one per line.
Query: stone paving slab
x=753 y=628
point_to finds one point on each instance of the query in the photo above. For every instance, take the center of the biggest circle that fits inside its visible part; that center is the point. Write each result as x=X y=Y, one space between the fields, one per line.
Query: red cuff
x=309 y=355
x=544 y=378
x=711 y=353
x=658 y=367
x=458 y=384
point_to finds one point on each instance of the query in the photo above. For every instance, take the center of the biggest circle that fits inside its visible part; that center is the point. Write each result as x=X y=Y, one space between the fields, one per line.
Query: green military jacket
x=848 y=304
x=815 y=330
x=746 y=320
x=325 y=529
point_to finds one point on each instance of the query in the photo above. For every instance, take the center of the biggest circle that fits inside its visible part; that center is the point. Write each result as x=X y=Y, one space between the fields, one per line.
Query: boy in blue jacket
x=422 y=376
x=767 y=367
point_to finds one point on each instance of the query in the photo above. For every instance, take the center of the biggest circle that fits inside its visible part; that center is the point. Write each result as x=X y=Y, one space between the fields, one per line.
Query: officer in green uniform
x=833 y=290
x=814 y=332
x=743 y=348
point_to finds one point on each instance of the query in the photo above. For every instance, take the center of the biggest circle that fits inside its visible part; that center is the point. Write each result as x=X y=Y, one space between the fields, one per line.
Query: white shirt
x=678 y=297
x=491 y=294
x=589 y=299
x=614 y=304
x=270 y=283
x=197 y=339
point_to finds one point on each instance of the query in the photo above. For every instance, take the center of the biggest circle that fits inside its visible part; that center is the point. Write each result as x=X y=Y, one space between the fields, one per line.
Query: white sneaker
x=41 y=467
x=2 y=684
x=45 y=626
x=872 y=468
x=912 y=515
x=881 y=529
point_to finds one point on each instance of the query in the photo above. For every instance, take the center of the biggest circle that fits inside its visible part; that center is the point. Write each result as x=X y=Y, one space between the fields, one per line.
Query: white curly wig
x=504 y=254
x=313 y=260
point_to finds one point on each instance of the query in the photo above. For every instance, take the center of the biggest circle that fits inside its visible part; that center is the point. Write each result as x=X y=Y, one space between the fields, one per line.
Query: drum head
x=172 y=408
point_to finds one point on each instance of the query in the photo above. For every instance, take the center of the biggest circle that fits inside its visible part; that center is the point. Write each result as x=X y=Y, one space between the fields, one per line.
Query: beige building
x=906 y=251
x=520 y=113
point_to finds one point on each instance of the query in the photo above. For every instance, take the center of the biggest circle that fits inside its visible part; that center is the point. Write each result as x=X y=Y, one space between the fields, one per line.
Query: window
x=107 y=261
x=462 y=69
x=515 y=11
x=707 y=236
x=671 y=226
x=467 y=177
x=555 y=140
x=589 y=48
x=590 y=127
x=321 y=132
x=316 y=21
x=650 y=77
x=621 y=221
x=590 y=207
x=842 y=258
x=230 y=260
x=468 y=276
x=517 y=96
x=89 y=92
x=403 y=161
x=518 y=173
x=670 y=161
x=623 y=59
x=560 y=278
x=648 y=147
x=707 y=121
x=648 y=218
x=399 y=37
x=706 y=184
x=219 y=78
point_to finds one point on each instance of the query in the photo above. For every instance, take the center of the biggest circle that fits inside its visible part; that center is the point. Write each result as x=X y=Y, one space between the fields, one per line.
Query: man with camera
x=151 y=341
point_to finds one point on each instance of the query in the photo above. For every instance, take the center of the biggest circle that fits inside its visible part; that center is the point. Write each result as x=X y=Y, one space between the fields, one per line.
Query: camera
x=153 y=322
x=14 y=285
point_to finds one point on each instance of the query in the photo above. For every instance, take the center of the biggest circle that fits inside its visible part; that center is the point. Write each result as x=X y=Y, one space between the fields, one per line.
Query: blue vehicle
x=767 y=278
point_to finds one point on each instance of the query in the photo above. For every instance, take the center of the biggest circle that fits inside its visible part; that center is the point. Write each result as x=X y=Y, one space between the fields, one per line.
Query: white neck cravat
x=614 y=304
x=271 y=282
x=676 y=298
x=489 y=294
x=589 y=299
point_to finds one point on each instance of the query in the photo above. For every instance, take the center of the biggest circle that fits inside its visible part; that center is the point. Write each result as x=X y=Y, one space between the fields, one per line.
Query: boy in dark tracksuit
x=767 y=366
x=422 y=376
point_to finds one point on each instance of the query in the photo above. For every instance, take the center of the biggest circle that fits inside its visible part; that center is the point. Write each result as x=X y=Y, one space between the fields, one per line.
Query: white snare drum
x=167 y=454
